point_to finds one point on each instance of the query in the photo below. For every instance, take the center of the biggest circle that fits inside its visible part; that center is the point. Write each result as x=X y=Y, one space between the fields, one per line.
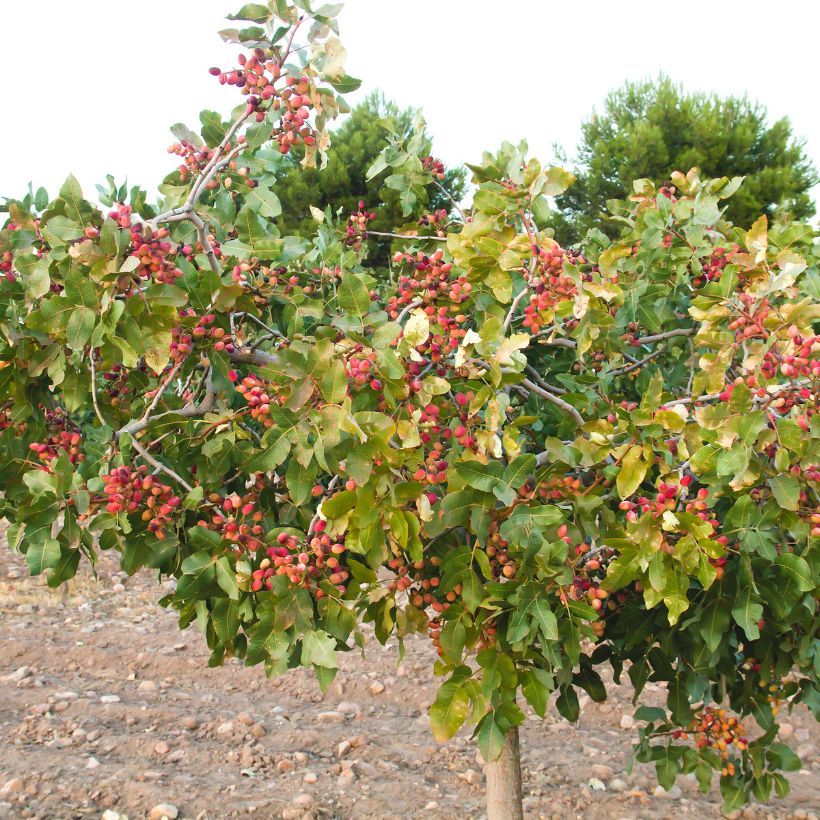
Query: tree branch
x=669 y=334
x=159 y=465
x=553 y=399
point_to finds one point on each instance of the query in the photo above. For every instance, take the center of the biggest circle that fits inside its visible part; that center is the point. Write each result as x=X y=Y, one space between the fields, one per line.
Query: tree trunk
x=504 y=782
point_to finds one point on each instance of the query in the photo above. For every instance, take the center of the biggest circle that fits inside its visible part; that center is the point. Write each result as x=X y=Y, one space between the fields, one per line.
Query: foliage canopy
x=547 y=460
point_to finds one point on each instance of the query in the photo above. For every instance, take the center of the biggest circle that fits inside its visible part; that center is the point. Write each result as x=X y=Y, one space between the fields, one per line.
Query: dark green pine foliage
x=651 y=128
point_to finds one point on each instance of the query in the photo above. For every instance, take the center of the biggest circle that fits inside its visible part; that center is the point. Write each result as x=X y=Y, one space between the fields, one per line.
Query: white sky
x=91 y=87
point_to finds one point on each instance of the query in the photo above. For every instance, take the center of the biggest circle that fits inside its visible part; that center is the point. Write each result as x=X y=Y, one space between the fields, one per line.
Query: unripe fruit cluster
x=194 y=158
x=132 y=491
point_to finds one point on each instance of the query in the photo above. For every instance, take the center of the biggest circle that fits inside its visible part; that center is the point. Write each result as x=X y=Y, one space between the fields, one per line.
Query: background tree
x=344 y=182
x=649 y=129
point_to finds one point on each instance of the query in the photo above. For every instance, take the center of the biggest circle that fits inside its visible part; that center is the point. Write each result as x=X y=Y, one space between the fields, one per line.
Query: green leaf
x=319 y=648
x=264 y=201
x=450 y=709
x=491 y=734
x=747 y=612
x=354 y=295
x=80 y=327
x=226 y=578
x=483 y=477
x=42 y=555
x=786 y=490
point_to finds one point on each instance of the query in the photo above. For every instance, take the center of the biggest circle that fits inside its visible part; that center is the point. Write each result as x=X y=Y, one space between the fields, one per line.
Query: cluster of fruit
x=429 y=280
x=6 y=269
x=116 y=384
x=716 y=729
x=237 y=519
x=194 y=157
x=356 y=230
x=152 y=249
x=132 y=490
x=63 y=437
x=433 y=167
x=360 y=367
x=714 y=265
x=497 y=550
x=259 y=395
x=549 y=284
x=304 y=564
x=435 y=219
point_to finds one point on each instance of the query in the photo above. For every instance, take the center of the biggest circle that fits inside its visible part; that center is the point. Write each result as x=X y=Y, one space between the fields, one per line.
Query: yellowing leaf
x=633 y=471
x=518 y=341
x=417 y=329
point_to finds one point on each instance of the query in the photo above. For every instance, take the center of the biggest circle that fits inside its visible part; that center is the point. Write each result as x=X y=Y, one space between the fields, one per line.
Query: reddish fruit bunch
x=64 y=441
x=121 y=215
x=152 y=249
x=259 y=396
x=237 y=519
x=549 y=285
x=356 y=231
x=715 y=729
x=435 y=219
x=6 y=266
x=194 y=158
x=429 y=281
x=360 y=367
x=133 y=491
x=304 y=564
x=434 y=167
x=714 y=266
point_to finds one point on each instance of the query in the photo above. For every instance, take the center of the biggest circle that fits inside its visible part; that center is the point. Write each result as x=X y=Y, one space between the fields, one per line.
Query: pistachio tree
x=547 y=461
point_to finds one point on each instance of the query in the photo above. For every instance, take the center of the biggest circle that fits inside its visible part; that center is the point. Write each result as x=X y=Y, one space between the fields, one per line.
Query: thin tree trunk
x=504 y=793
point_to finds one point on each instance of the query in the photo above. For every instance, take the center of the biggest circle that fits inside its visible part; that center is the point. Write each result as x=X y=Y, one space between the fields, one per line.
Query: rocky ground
x=107 y=710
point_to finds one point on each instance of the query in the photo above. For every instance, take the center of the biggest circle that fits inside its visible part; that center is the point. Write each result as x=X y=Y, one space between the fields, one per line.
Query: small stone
x=786 y=731
x=110 y=699
x=300 y=757
x=190 y=722
x=673 y=794
x=330 y=717
x=18 y=674
x=11 y=786
x=246 y=758
x=601 y=771
x=176 y=756
x=284 y=766
x=245 y=719
x=471 y=777
x=147 y=686
x=617 y=785
x=596 y=785
x=110 y=814
x=61 y=706
x=349 y=708
x=343 y=748
x=310 y=777
x=161 y=748
x=92 y=763
x=164 y=811
x=299 y=807
x=258 y=730
x=66 y=696
x=225 y=728
x=627 y=722
x=358 y=741
x=376 y=688
x=118 y=588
